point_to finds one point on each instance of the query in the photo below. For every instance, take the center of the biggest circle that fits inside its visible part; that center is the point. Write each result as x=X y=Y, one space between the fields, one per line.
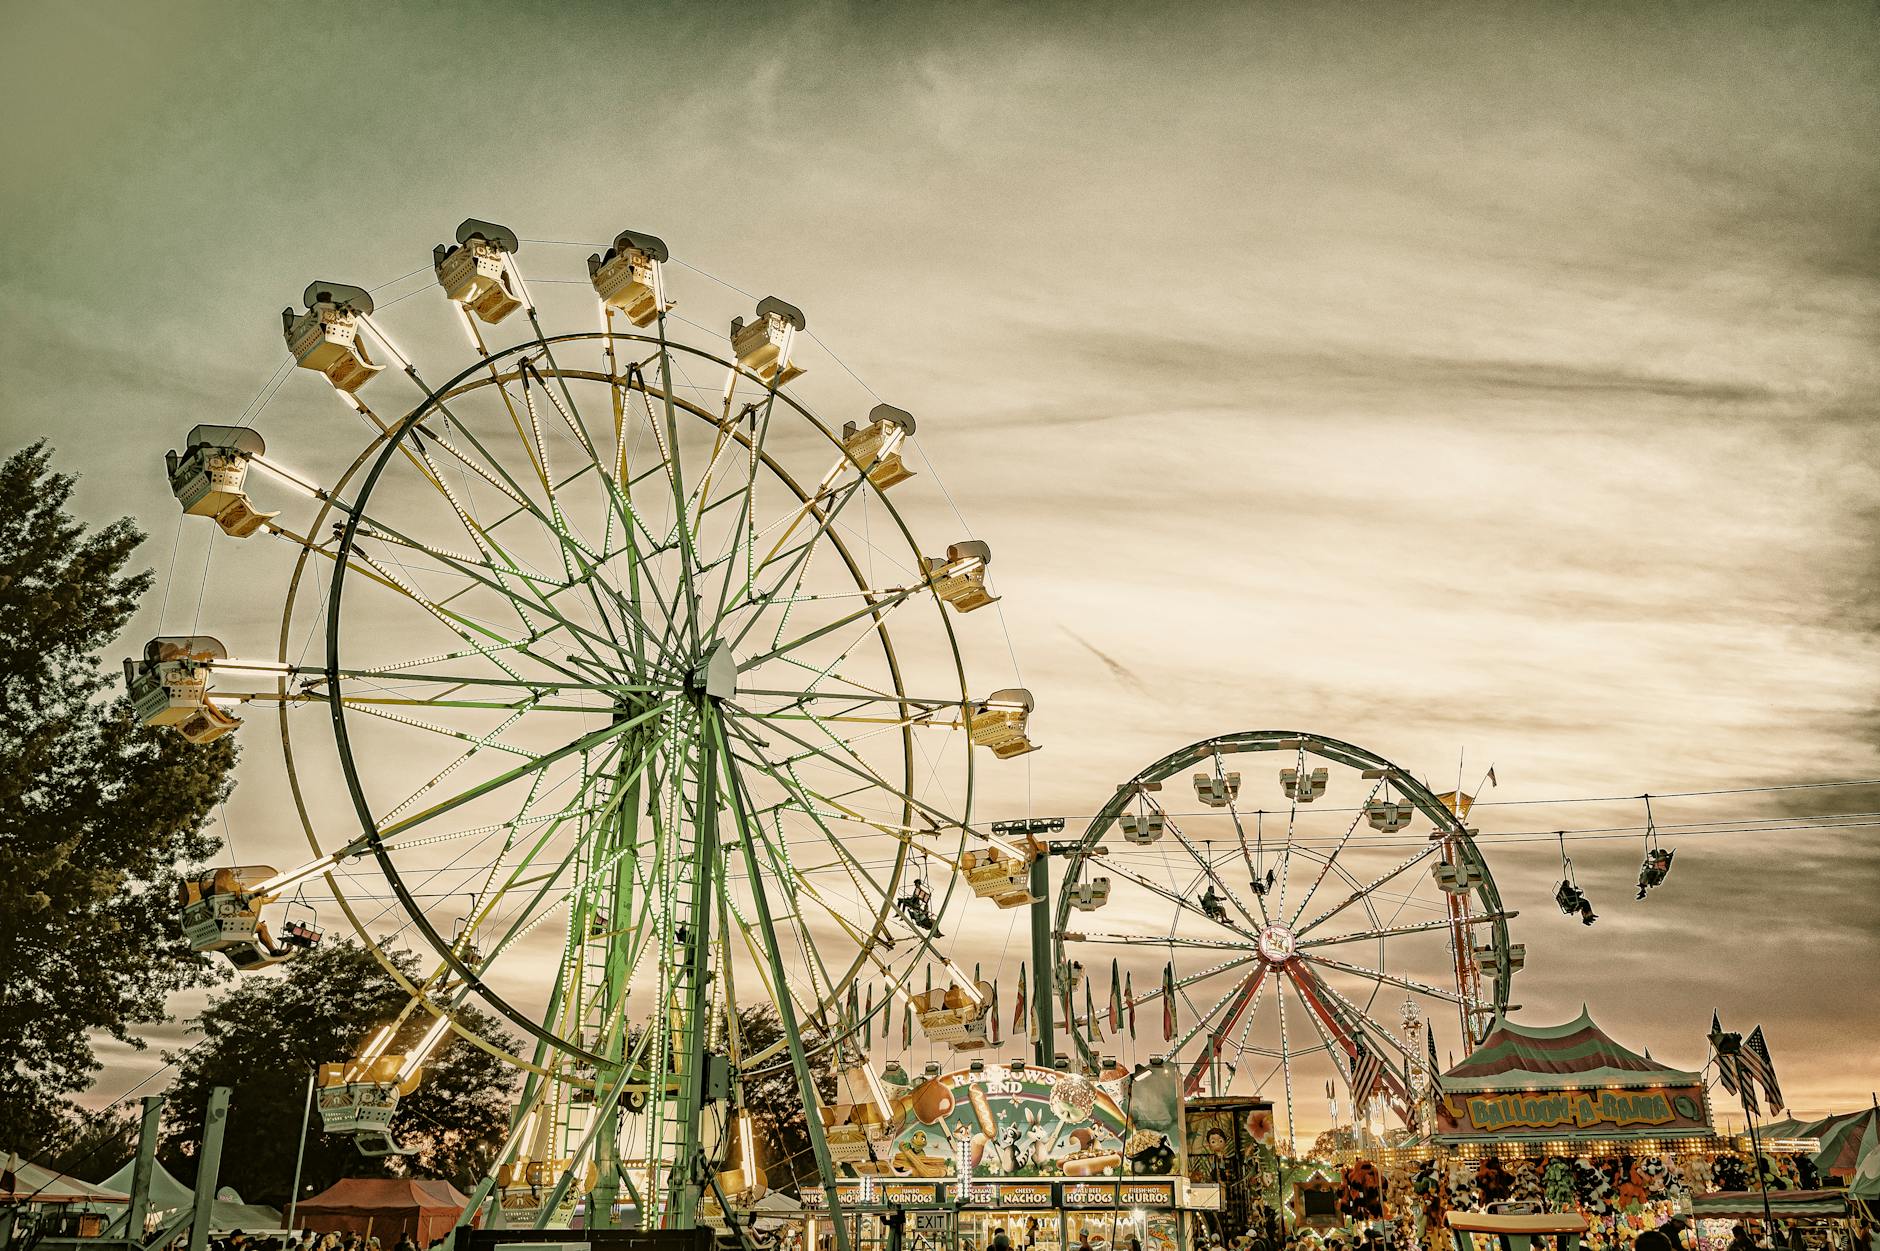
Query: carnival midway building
x=1050 y=1156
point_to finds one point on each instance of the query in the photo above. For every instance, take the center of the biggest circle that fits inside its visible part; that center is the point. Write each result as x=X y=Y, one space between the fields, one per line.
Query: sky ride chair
x=1651 y=874
x=916 y=908
x=222 y=913
x=959 y=578
x=475 y=273
x=763 y=344
x=326 y=338
x=876 y=446
x=1091 y=895
x=359 y=1098
x=170 y=686
x=1000 y=720
x=1212 y=904
x=628 y=276
x=209 y=474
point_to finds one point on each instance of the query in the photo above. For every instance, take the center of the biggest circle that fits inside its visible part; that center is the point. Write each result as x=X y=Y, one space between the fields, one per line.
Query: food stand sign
x=1020 y=1122
x=1595 y=1112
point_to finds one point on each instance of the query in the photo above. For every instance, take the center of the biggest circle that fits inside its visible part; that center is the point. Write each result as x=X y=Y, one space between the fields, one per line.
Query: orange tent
x=385 y=1208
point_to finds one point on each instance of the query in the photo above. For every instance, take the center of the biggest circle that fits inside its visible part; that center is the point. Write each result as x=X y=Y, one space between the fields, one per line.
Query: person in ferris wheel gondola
x=1211 y=904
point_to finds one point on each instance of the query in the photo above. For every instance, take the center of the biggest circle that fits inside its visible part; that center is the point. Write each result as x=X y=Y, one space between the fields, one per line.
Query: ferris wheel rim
x=388 y=442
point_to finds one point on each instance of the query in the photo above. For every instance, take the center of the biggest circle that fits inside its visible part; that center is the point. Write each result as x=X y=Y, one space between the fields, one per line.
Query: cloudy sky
x=1492 y=383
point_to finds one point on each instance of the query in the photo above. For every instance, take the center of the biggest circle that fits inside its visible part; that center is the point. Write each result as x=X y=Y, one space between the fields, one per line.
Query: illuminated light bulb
x=376 y=1046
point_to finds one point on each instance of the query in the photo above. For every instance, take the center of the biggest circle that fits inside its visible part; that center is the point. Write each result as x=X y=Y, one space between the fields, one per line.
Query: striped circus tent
x=1845 y=1140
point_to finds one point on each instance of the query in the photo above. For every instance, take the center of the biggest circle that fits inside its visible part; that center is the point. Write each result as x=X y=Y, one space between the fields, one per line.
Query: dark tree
x=776 y=1103
x=264 y=1035
x=95 y=808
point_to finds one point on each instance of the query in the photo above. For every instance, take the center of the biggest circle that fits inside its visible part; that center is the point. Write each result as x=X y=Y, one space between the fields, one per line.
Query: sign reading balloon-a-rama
x=1019 y=1121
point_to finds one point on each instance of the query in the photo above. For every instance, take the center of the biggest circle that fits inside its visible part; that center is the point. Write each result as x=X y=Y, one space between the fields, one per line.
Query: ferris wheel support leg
x=685 y=1181
x=748 y=833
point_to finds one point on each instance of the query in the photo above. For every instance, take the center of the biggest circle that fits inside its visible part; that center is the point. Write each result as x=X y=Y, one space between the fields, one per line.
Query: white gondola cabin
x=1142 y=828
x=360 y=1098
x=959 y=578
x=628 y=276
x=222 y=913
x=763 y=344
x=209 y=477
x=1000 y=720
x=326 y=337
x=1303 y=785
x=1091 y=895
x=876 y=447
x=170 y=686
x=1455 y=879
x=1389 y=815
x=1217 y=790
x=953 y=1016
x=475 y=273
x=1489 y=961
x=1002 y=878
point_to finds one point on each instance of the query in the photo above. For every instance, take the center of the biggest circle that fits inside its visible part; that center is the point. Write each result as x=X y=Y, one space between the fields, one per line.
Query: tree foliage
x=262 y=1038
x=96 y=809
x=776 y=1102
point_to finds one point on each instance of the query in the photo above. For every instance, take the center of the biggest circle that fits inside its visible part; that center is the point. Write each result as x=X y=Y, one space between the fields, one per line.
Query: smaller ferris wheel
x=1291 y=907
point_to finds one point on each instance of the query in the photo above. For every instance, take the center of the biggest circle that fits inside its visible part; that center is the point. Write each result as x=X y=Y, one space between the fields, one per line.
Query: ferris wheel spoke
x=1388 y=979
x=1238 y=1001
x=1367 y=889
x=1326 y=867
x=1177 y=898
x=1206 y=861
x=874 y=611
x=1371 y=1029
x=585 y=742
x=1391 y=931
x=825 y=518
x=1149 y=940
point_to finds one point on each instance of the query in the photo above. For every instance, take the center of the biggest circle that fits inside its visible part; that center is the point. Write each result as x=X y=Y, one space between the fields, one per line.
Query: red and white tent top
x=1577 y=1054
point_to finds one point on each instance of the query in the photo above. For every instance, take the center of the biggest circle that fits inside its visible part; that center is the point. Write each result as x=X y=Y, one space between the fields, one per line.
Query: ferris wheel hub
x=716 y=674
x=1277 y=943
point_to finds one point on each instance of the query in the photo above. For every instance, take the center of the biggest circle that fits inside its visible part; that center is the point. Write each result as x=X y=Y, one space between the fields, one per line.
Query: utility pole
x=208 y=1167
x=140 y=1172
x=1043 y=975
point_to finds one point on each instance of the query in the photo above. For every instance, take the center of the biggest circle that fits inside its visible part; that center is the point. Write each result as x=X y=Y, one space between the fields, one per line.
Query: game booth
x=1049 y=1156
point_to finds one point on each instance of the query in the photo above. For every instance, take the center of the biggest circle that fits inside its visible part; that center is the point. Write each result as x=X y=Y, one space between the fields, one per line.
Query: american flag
x=1726 y=1068
x=1366 y=1069
x=1436 y=1068
x=1755 y=1063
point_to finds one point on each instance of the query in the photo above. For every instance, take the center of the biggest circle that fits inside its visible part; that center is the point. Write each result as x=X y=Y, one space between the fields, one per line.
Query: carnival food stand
x=1047 y=1155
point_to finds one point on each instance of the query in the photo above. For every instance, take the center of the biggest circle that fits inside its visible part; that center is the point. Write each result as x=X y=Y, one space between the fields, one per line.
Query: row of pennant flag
x=1119 y=1013
x=1745 y=1066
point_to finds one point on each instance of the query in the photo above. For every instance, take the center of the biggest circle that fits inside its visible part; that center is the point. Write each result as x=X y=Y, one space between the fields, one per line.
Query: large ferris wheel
x=1295 y=908
x=643 y=695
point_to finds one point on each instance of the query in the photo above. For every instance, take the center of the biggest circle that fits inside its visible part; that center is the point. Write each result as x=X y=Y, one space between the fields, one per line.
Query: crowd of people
x=308 y=1240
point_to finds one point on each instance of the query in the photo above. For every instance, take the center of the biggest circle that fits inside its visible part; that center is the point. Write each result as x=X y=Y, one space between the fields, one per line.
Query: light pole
x=300 y=1151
